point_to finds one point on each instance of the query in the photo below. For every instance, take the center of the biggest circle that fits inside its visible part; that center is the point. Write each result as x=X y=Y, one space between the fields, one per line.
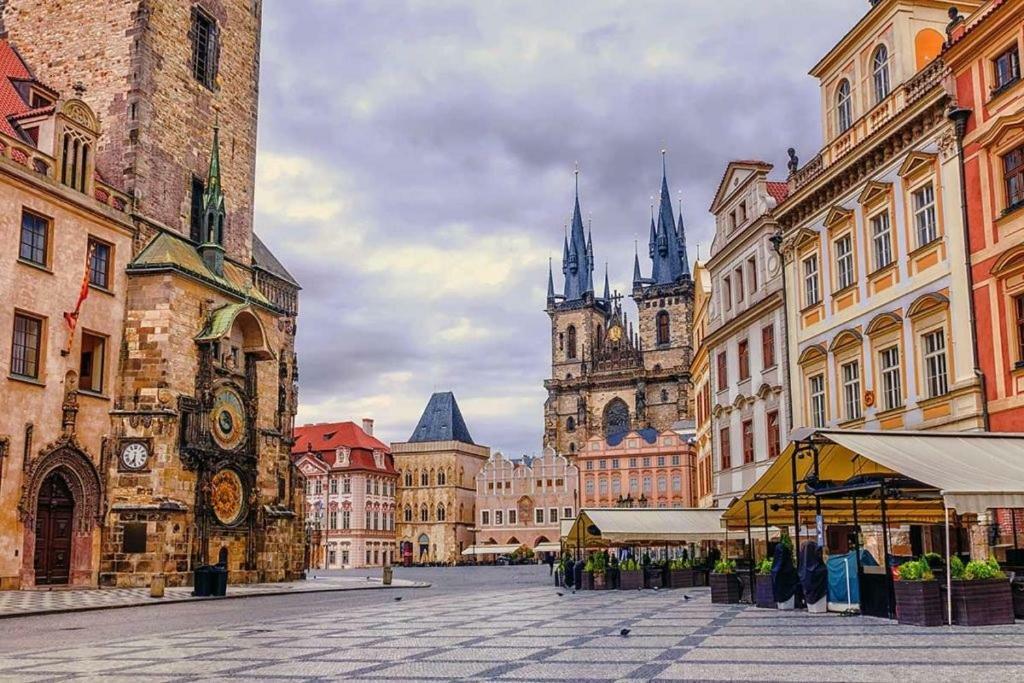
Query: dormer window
x=880 y=71
x=77 y=131
x=844 y=106
x=1007 y=69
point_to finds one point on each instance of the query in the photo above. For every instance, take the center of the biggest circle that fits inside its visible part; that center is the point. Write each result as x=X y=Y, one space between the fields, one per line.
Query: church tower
x=159 y=74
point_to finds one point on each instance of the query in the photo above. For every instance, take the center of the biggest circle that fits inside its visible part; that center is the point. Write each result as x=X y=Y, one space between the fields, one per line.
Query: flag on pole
x=71 y=317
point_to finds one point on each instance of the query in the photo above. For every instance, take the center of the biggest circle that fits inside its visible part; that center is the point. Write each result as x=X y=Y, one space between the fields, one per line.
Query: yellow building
x=437 y=470
x=873 y=237
x=700 y=372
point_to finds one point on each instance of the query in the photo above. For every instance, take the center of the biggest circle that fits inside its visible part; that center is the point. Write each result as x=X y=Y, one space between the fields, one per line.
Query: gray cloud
x=416 y=161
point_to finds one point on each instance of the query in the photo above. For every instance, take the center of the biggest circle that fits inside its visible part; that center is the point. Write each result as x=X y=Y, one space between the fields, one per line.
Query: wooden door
x=53 y=532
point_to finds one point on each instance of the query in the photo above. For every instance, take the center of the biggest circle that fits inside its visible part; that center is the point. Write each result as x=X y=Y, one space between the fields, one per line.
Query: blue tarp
x=838 y=568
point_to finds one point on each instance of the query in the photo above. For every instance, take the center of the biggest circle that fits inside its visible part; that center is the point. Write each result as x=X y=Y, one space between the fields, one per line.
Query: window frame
x=935 y=377
x=722 y=361
x=844 y=106
x=852 y=404
x=664 y=330
x=1013 y=178
x=846 y=265
x=743 y=357
x=881 y=217
x=725 y=446
x=204 y=60
x=811 y=280
x=39 y=350
x=773 y=434
x=768 y=359
x=890 y=377
x=1018 y=304
x=103 y=339
x=880 y=77
x=926 y=210
x=747 y=434
x=998 y=82
x=47 y=235
x=818 y=403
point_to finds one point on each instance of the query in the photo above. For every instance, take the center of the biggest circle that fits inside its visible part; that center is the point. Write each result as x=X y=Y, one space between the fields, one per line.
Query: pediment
x=917 y=162
x=874 y=191
x=838 y=215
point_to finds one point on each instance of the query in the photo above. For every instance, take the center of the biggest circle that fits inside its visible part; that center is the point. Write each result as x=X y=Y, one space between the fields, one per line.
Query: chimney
x=368 y=426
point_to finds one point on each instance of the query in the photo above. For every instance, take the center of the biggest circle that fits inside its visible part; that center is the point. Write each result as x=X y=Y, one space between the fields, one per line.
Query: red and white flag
x=71 y=317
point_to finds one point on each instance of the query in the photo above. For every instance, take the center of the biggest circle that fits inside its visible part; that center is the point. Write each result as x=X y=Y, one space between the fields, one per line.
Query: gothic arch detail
x=78 y=472
x=616 y=417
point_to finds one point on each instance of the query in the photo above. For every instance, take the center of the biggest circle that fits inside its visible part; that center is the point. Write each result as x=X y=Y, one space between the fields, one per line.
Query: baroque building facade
x=873 y=238
x=745 y=330
x=437 y=469
x=608 y=378
x=186 y=343
x=524 y=501
x=351 y=484
x=703 y=477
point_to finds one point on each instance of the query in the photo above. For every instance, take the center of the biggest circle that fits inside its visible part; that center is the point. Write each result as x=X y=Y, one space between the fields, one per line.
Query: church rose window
x=616 y=418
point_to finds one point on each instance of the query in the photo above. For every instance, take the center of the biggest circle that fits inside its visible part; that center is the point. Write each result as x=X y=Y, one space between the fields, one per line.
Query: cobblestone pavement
x=29 y=602
x=526 y=631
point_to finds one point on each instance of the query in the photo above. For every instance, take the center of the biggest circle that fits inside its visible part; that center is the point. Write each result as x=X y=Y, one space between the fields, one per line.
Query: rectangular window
x=1007 y=68
x=936 y=377
x=675 y=459
x=661 y=461
x=498 y=517
x=332 y=520
x=590 y=466
x=768 y=346
x=135 y=536
x=334 y=485
x=25 y=349
x=647 y=462
x=772 y=427
x=743 y=349
x=881 y=239
x=485 y=517
x=196 y=219
x=35 y=234
x=816 y=389
x=511 y=516
x=723 y=440
x=844 y=262
x=615 y=463
x=738 y=274
x=602 y=464
x=346 y=485
x=892 y=389
x=752 y=270
x=91 y=362
x=1013 y=177
x=99 y=263
x=851 y=390
x=205 y=48
x=632 y=462
x=552 y=515
x=811 y=294
x=538 y=516
x=723 y=373
x=566 y=513
x=748 y=442
x=727 y=293
x=346 y=519
x=924 y=215
x=1018 y=304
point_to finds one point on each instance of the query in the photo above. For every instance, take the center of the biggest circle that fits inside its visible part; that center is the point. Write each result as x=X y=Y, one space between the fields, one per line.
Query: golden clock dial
x=615 y=334
x=227 y=497
x=227 y=419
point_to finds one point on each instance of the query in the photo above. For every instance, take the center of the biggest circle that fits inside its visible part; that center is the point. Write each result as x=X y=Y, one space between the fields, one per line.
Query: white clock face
x=134 y=455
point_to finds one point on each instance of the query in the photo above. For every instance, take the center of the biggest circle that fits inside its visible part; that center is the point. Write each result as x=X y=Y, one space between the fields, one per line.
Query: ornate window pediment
x=874 y=192
x=845 y=339
x=812 y=353
x=883 y=322
x=927 y=303
x=916 y=162
x=837 y=215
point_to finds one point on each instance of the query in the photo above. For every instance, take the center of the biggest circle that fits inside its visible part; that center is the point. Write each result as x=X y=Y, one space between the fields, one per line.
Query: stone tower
x=606 y=377
x=158 y=74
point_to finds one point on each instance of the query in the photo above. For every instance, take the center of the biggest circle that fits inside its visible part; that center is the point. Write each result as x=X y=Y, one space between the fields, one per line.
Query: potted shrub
x=764 y=595
x=594 y=570
x=681 y=574
x=981 y=593
x=725 y=584
x=918 y=595
x=654 y=574
x=631 y=576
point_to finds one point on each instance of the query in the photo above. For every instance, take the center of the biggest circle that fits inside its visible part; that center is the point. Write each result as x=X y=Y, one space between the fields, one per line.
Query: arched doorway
x=55 y=513
x=424 y=542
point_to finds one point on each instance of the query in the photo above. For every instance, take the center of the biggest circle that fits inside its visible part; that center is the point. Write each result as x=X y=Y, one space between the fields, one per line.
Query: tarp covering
x=491 y=549
x=620 y=526
x=547 y=547
x=970 y=471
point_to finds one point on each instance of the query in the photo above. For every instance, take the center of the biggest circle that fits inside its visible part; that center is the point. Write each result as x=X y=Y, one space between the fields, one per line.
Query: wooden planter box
x=919 y=603
x=598 y=581
x=764 y=595
x=631 y=579
x=654 y=577
x=682 y=578
x=982 y=603
x=588 y=581
x=1017 y=588
x=725 y=588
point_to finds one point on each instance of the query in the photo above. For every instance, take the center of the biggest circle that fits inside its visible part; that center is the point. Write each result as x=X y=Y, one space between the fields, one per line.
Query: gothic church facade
x=609 y=376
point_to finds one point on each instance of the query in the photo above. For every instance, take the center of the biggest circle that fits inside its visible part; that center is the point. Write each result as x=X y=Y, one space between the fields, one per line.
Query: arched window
x=880 y=73
x=570 y=425
x=408 y=478
x=663 y=327
x=440 y=513
x=424 y=513
x=570 y=342
x=408 y=513
x=844 y=106
x=599 y=336
x=616 y=417
x=572 y=448
x=441 y=478
x=424 y=478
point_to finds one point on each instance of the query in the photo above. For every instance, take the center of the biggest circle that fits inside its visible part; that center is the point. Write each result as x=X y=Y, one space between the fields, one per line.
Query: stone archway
x=60 y=510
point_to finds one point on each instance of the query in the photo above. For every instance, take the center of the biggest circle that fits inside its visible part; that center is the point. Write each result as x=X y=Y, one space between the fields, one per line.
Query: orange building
x=644 y=468
x=984 y=60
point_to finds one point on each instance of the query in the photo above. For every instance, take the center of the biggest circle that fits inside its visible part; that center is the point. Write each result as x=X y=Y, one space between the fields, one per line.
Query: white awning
x=565 y=526
x=603 y=526
x=547 y=547
x=491 y=549
x=974 y=471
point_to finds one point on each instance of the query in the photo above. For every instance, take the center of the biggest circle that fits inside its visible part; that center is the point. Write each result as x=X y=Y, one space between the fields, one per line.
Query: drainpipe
x=959 y=117
x=776 y=240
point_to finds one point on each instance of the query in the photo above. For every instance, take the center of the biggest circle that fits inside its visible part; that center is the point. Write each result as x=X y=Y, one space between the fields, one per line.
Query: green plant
x=629 y=565
x=725 y=566
x=764 y=567
x=915 y=570
x=934 y=560
x=956 y=568
x=981 y=570
x=680 y=563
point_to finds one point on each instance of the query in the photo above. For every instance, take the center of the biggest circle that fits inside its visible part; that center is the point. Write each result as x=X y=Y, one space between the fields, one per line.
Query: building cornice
x=769 y=303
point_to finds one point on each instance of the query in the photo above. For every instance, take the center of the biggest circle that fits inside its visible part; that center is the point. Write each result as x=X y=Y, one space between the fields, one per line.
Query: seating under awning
x=491 y=549
x=645 y=526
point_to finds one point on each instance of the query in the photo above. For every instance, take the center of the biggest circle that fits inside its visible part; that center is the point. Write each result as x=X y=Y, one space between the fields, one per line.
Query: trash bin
x=388 y=574
x=202 y=581
x=218 y=581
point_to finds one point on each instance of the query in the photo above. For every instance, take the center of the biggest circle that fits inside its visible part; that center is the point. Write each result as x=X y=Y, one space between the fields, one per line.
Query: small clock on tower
x=134 y=455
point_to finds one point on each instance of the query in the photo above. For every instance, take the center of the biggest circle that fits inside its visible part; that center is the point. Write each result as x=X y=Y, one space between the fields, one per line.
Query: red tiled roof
x=11 y=102
x=326 y=438
x=778 y=190
x=973 y=21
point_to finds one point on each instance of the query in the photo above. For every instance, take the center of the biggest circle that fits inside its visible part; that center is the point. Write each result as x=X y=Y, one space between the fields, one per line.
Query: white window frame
x=845 y=275
x=844 y=106
x=881 y=239
x=552 y=515
x=538 y=516
x=812 y=285
x=926 y=227
x=816 y=392
x=936 y=365
x=880 y=73
x=851 y=390
x=892 y=382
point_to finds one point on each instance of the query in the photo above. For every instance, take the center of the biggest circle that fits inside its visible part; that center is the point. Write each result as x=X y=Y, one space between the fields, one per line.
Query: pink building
x=350 y=494
x=642 y=468
x=522 y=501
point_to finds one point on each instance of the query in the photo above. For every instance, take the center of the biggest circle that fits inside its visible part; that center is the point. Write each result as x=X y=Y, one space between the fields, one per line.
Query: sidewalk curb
x=178 y=601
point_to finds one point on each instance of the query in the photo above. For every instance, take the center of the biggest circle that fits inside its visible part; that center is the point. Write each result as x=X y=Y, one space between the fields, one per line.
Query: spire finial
x=577 y=174
x=664 y=167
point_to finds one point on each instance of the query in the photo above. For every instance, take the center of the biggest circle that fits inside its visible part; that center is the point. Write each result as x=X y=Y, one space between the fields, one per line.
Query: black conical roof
x=441 y=421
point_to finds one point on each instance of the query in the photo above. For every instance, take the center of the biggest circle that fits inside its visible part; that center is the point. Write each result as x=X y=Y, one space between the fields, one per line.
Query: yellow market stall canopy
x=640 y=526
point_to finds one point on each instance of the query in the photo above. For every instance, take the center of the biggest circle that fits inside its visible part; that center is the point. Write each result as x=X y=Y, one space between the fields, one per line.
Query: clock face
x=134 y=455
x=615 y=334
x=227 y=419
x=227 y=497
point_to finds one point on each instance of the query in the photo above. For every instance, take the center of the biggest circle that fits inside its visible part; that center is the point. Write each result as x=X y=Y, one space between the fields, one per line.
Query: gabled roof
x=264 y=259
x=778 y=190
x=324 y=439
x=724 y=189
x=12 y=68
x=441 y=421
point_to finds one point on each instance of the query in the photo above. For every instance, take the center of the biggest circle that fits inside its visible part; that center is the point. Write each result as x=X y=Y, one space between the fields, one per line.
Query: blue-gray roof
x=441 y=421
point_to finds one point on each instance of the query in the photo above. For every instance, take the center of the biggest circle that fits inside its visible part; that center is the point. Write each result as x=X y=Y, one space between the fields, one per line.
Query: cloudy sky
x=416 y=171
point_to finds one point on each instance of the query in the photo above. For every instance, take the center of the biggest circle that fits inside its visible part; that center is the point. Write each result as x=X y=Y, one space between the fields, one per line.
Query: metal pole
x=890 y=589
x=856 y=540
x=949 y=572
x=796 y=503
x=765 y=501
x=750 y=554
